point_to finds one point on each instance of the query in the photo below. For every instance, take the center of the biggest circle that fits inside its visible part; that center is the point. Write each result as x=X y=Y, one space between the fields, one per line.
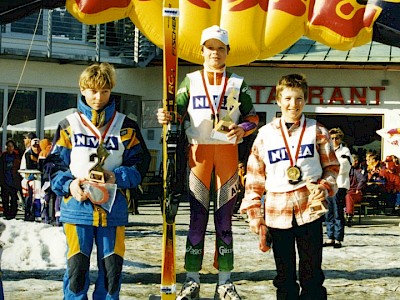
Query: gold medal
x=293 y=173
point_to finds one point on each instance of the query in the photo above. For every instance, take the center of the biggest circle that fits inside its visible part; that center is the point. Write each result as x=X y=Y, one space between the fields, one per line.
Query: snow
x=367 y=267
x=32 y=246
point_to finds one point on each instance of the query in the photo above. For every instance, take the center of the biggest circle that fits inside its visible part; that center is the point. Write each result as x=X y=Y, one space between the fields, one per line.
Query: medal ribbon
x=298 y=145
x=89 y=125
x=210 y=103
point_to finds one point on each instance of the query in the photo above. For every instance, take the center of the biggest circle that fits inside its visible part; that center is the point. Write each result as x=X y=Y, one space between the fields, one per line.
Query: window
x=21 y=115
x=57 y=107
x=28 y=24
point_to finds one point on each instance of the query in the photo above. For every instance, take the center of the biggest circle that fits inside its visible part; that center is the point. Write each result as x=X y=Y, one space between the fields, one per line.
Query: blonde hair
x=98 y=76
x=292 y=81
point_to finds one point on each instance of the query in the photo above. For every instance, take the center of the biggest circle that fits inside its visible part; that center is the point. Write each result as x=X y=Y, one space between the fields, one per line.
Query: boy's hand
x=163 y=116
x=318 y=194
x=255 y=224
x=109 y=176
x=76 y=190
x=235 y=130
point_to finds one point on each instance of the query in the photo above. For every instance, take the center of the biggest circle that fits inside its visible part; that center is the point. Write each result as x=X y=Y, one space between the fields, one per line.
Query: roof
x=306 y=51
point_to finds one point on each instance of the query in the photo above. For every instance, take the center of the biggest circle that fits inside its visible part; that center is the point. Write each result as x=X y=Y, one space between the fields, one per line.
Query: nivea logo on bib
x=277 y=155
x=201 y=102
x=90 y=141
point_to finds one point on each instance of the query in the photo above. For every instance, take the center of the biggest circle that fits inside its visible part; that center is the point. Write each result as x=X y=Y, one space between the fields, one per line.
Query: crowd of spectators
x=23 y=182
x=371 y=175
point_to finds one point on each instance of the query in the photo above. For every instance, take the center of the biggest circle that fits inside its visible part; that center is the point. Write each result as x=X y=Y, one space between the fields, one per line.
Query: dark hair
x=30 y=135
x=12 y=142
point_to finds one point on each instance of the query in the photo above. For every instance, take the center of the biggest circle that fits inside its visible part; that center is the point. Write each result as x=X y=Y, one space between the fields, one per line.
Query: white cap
x=34 y=142
x=214 y=32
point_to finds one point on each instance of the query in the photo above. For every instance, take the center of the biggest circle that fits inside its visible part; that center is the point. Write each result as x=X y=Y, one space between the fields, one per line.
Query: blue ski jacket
x=125 y=147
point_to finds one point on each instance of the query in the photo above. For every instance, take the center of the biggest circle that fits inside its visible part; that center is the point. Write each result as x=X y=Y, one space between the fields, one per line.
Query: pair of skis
x=171 y=134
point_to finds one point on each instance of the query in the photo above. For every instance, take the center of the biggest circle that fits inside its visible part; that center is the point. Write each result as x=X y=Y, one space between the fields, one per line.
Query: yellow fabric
x=64 y=139
x=72 y=240
x=119 y=248
x=99 y=217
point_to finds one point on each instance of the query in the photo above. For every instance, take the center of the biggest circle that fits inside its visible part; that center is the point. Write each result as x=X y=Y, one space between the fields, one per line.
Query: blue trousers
x=335 y=216
x=110 y=242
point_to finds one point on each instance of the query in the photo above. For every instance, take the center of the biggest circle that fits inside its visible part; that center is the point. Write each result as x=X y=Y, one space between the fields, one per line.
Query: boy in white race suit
x=202 y=101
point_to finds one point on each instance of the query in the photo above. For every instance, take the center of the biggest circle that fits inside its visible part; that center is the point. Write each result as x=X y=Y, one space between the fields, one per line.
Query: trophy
x=96 y=173
x=316 y=207
x=222 y=126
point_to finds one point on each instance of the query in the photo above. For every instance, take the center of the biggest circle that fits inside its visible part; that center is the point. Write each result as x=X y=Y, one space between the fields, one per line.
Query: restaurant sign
x=323 y=95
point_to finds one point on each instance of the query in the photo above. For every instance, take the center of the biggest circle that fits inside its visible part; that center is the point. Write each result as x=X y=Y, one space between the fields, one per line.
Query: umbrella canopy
x=50 y=121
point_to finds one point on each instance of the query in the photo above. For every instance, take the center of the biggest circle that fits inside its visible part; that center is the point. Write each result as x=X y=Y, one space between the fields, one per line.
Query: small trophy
x=316 y=207
x=222 y=126
x=96 y=173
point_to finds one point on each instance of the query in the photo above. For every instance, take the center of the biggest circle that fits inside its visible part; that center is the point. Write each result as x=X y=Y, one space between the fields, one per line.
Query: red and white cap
x=214 y=32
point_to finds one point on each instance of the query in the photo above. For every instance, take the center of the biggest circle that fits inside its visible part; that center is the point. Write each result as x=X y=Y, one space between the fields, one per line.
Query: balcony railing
x=56 y=35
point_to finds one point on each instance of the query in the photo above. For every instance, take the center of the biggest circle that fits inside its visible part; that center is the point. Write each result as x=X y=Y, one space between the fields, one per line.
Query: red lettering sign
x=336 y=95
x=315 y=92
x=316 y=95
x=377 y=90
x=272 y=96
x=362 y=97
x=257 y=88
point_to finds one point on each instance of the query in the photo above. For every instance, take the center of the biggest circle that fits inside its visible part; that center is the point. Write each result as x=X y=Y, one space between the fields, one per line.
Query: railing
x=60 y=36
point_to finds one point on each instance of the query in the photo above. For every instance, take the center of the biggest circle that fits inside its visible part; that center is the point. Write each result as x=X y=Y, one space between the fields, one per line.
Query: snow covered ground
x=367 y=267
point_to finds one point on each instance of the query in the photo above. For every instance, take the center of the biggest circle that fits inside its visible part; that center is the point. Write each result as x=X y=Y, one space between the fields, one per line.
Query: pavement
x=366 y=267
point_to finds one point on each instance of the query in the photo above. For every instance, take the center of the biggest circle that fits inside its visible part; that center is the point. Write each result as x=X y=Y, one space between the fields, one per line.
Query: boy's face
x=96 y=98
x=27 y=142
x=214 y=53
x=291 y=102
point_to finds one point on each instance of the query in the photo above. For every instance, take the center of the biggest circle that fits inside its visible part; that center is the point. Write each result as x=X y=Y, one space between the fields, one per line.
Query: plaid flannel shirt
x=280 y=208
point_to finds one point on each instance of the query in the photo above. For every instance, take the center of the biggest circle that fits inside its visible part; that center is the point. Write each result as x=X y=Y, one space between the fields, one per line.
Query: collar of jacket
x=98 y=118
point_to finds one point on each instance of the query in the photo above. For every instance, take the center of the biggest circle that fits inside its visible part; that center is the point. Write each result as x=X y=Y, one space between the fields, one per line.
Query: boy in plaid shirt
x=288 y=154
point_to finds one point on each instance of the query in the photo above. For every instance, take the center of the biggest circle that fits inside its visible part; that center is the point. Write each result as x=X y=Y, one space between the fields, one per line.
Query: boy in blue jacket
x=79 y=137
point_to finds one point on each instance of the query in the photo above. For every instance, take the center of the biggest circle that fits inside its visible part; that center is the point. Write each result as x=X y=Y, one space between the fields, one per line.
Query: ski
x=171 y=134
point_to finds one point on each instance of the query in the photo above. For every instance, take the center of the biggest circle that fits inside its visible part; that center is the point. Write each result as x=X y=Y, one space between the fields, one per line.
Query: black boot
x=350 y=220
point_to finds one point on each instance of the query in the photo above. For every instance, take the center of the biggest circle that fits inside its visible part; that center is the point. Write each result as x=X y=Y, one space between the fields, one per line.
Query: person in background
x=28 y=136
x=202 y=101
x=45 y=147
x=392 y=184
x=48 y=197
x=396 y=168
x=10 y=180
x=293 y=160
x=335 y=221
x=110 y=138
x=358 y=181
x=374 y=168
x=29 y=188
